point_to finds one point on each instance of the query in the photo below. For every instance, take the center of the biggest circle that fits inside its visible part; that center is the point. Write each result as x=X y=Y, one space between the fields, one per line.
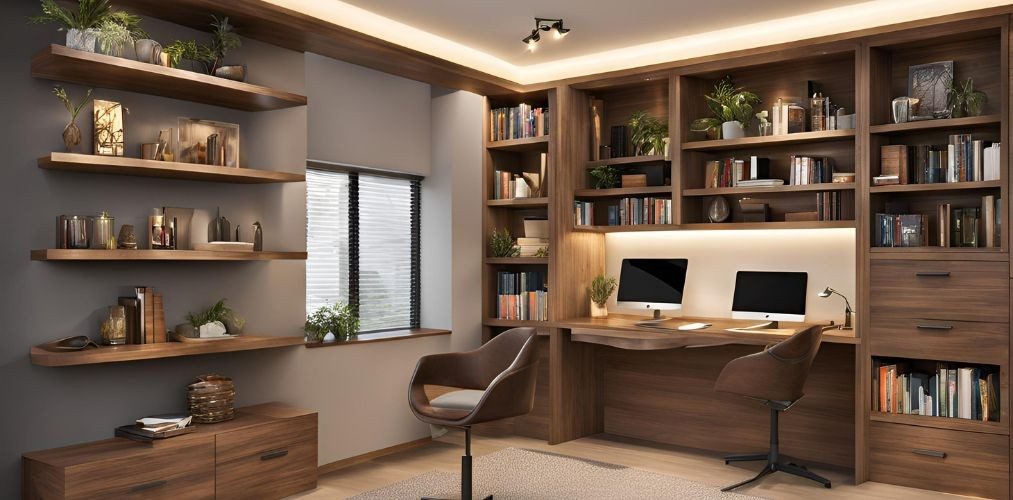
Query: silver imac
x=769 y=297
x=652 y=285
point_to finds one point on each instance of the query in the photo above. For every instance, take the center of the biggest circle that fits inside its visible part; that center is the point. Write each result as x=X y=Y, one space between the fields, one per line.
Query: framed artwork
x=928 y=84
x=108 y=130
x=207 y=142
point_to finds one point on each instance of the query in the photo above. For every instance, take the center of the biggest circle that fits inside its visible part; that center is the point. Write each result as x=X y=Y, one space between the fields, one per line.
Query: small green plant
x=963 y=100
x=200 y=56
x=89 y=14
x=339 y=320
x=647 y=133
x=601 y=289
x=129 y=21
x=502 y=244
x=218 y=312
x=605 y=176
x=71 y=133
x=113 y=38
x=223 y=40
x=542 y=252
x=728 y=103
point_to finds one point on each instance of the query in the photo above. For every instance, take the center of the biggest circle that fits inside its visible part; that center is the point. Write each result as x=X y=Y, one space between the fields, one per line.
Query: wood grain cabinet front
x=943 y=290
x=966 y=463
x=272 y=460
x=960 y=341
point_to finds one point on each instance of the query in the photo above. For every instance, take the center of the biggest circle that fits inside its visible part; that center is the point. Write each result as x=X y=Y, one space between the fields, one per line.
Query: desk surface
x=621 y=331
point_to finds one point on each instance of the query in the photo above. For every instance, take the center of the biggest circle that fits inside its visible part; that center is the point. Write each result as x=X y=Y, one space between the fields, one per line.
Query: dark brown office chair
x=497 y=382
x=776 y=377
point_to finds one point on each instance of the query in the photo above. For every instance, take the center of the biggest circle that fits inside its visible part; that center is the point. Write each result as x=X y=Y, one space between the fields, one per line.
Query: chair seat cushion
x=464 y=399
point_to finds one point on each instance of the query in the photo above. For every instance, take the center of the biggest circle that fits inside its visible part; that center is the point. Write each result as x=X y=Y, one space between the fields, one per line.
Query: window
x=363 y=242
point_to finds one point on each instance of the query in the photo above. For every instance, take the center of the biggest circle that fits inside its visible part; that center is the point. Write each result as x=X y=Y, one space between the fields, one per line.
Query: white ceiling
x=497 y=26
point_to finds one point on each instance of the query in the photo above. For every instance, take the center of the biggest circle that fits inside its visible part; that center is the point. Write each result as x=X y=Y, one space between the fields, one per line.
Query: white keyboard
x=694 y=326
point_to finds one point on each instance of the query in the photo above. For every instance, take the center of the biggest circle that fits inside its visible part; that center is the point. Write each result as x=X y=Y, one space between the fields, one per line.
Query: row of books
x=834 y=205
x=522 y=296
x=810 y=170
x=628 y=212
x=964 y=159
x=144 y=316
x=731 y=172
x=949 y=391
x=518 y=122
x=509 y=185
x=971 y=227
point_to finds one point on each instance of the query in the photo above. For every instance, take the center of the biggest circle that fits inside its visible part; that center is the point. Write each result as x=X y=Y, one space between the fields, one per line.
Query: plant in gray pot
x=81 y=24
x=223 y=40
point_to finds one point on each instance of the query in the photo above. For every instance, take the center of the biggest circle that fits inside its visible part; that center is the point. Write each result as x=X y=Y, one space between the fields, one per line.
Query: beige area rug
x=515 y=474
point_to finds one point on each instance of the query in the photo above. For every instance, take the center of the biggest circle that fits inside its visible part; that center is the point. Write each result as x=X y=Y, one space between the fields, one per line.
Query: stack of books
x=831 y=205
x=637 y=211
x=949 y=391
x=145 y=316
x=810 y=170
x=583 y=213
x=963 y=159
x=532 y=247
x=971 y=226
x=518 y=122
x=521 y=296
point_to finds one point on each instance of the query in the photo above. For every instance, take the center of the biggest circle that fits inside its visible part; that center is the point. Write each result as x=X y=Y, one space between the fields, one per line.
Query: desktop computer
x=770 y=297
x=652 y=285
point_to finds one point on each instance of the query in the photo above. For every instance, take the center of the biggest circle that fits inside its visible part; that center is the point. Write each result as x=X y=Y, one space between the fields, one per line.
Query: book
x=149 y=315
x=159 y=331
x=964 y=392
x=894 y=162
x=132 y=319
x=518 y=122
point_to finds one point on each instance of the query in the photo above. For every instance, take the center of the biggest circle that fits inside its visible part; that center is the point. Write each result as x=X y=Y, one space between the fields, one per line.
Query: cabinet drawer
x=966 y=463
x=275 y=473
x=953 y=290
x=244 y=443
x=177 y=471
x=940 y=339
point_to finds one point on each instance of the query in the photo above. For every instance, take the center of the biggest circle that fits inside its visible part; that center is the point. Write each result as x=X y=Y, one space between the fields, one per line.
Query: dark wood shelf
x=628 y=160
x=622 y=192
x=60 y=63
x=826 y=186
x=945 y=123
x=119 y=165
x=956 y=424
x=628 y=229
x=770 y=140
x=938 y=186
x=45 y=356
x=511 y=323
x=519 y=202
x=540 y=143
x=938 y=253
x=824 y=224
x=517 y=260
x=59 y=254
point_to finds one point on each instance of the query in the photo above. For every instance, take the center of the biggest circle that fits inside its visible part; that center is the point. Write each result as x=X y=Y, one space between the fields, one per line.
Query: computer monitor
x=769 y=296
x=652 y=285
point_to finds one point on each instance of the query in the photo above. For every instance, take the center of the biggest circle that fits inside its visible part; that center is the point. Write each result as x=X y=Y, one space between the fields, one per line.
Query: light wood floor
x=444 y=454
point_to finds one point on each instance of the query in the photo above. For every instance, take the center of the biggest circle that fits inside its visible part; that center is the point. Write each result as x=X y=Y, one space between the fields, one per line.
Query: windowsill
x=367 y=338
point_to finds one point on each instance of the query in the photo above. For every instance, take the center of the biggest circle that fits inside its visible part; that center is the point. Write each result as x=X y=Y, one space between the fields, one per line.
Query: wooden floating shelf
x=770 y=140
x=957 y=424
x=628 y=160
x=628 y=229
x=826 y=186
x=511 y=323
x=59 y=254
x=938 y=186
x=540 y=143
x=60 y=63
x=43 y=356
x=519 y=202
x=938 y=253
x=924 y=125
x=119 y=165
x=622 y=192
x=517 y=260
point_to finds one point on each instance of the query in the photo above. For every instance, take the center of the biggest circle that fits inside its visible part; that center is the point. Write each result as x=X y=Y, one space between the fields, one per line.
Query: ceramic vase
x=718 y=210
x=732 y=130
x=71 y=136
x=599 y=311
x=82 y=39
x=148 y=51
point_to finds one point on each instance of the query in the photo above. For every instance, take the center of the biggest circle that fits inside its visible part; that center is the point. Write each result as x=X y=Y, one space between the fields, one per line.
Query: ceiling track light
x=544 y=24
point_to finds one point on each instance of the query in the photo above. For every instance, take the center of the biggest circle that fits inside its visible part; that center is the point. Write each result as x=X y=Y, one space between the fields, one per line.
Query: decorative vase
x=148 y=51
x=235 y=72
x=718 y=210
x=732 y=130
x=764 y=128
x=82 y=39
x=71 y=136
x=713 y=133
x=599 y=311
x=234 y=324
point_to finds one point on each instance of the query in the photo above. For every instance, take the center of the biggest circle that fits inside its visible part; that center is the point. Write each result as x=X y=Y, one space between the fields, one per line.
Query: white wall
x=828 y=255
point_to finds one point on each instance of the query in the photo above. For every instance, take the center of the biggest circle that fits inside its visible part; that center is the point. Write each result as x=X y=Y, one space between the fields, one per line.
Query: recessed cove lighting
x=543 y=24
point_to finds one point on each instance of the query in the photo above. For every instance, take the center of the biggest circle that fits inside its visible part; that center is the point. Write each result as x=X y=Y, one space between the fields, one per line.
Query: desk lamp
x=847 y=306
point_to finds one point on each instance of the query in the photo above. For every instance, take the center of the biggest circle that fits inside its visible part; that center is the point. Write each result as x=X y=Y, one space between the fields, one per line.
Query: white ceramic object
x=212 y=330
x=732 y=130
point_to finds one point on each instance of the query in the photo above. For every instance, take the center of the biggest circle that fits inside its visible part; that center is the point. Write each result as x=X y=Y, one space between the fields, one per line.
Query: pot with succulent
x=211 y=323
x=600 y=290
x=82 y=25
x=71 y=133
x=732 y=107
x=605 y=176
x=337 y=321
x=502 y=244
x=196 y=54
x=647 y=133
x=963 y=100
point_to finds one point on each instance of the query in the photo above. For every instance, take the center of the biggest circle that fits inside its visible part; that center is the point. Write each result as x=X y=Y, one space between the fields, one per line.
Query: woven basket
x=211 y=399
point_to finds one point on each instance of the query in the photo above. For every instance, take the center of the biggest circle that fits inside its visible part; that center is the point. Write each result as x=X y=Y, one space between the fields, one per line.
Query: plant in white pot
x=211 y=322
x=81 y=25
x=600 y=290
x=337 y=321
x=732 y=106
x=118 y=31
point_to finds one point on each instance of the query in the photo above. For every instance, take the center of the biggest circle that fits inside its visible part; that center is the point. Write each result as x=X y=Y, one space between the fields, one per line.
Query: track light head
x=541 y=24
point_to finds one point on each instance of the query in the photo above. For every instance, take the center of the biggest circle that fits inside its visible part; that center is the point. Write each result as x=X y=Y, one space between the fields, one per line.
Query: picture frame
x=928 y=84
x=193 y=136
x=107 y=133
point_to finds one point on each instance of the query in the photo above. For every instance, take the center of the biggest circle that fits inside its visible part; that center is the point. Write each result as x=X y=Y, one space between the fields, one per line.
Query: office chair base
x=771 y=467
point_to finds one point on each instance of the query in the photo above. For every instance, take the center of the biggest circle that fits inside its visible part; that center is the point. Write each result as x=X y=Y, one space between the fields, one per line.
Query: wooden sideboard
x=267 y=451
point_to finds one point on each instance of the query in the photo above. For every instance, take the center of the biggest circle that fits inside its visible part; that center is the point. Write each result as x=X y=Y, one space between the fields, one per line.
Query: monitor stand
x=770 y=325
x=655 y=320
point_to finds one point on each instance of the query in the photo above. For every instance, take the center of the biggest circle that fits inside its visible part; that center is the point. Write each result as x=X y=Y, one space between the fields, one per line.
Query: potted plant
x=223 y=40
x=113 y=38
x=732 y=107
x=337 y=320
x=605 y=176
x=502 y=244
x=963 y=100
x=81 y=25
x=647 y=133
x=71 y=133
x=600 y=290
x=197 y=54
x=211 y=322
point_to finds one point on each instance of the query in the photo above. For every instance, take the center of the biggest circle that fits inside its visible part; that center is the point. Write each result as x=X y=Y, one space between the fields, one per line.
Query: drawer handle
x=934 y=327
x=148 y=486
x=274 y=454
x=933 y=274
x=930 y=453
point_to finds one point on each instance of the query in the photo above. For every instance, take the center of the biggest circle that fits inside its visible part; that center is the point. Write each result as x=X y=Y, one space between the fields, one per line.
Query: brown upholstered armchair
x=776 y=377
x=495 y=381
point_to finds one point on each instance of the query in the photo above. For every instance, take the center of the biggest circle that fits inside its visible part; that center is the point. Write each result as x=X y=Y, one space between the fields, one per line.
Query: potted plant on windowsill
x=81 y=25
x=329 y=323
x=600 y=290
x=732 y=107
